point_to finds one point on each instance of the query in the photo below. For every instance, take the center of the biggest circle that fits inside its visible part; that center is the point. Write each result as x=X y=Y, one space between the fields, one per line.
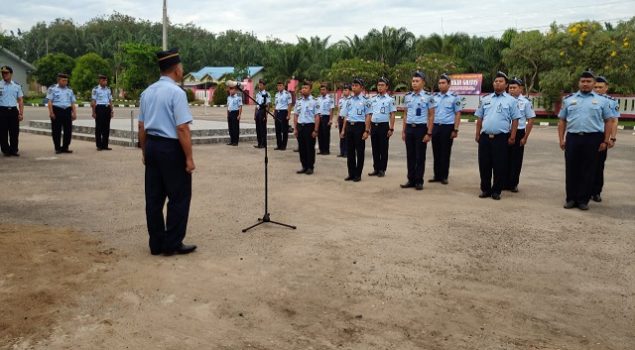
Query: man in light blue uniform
x=525 y=124
x=283 y=101
x=325 y=105
x=263 y=101
x=306 y=121
x=496 y=128
x=447 y=118
x=62 y=111
x=417 y=129
x=11 y=112
x=166 y=143
x=101 y=103
x=601 y=88
x=234 y=110
x=356 y=130
x=382 y=122
x=341 y=104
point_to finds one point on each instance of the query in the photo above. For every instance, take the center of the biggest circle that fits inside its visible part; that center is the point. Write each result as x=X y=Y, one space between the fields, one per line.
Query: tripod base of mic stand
x=267 y=219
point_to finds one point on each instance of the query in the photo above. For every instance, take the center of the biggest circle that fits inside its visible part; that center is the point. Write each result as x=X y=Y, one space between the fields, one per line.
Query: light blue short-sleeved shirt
x=381 y=107
x=497 y=111
x=10 y=93
x=526 y=111
x=164 y=107
x=613 y=105
x=306 y=109
x=283 y=100
x=101 y=95
x=261 y=97
x=341 y=104
x=357 y=108
x=585 y=112
x=325 y=104
x=417 y=106
x=62 y=97
x=447 y=106
x=234 y=102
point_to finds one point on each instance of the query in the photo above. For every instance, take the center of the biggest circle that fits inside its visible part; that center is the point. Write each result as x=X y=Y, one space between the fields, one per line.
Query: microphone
x=232 y=83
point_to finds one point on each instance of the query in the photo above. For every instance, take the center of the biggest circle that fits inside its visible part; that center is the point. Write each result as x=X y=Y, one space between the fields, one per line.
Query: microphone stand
x=266 y=218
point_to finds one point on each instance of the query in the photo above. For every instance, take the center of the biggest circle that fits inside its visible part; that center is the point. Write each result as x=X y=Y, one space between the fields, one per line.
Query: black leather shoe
x=570 y=204
x=514 y=189
x=341 y=156
x=496 y=196
x=407 y=185
x=296 y=150
x=484 y=195
x=229 y=144
x=381 y=174
x=234 y=144
x=374 y=173
x=107 y=149
x=419 y=187
x=58 y=151
x=444 y=181
x=583 y=206
x=434 y=180
x=348 y=178
x=15 y=154
x=67 y=151
x=596 y=198
x=99 y=149
x=257 y=146
x=357 y=179
x=309 y=171
x=301 y=171
x=6 y=154
x=183 y=249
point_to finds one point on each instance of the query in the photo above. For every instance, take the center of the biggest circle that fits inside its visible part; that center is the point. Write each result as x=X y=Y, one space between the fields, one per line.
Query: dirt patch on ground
x=43 y=272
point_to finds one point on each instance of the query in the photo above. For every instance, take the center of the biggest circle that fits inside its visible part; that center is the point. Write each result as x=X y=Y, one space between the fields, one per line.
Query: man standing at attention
x=101 y=103
x=447 y=118
x=234 y=110
x=166 y=144
x=585 y=129
x=496 y=128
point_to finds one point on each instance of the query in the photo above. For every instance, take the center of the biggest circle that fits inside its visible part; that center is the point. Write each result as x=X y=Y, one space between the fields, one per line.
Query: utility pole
x=165 y=25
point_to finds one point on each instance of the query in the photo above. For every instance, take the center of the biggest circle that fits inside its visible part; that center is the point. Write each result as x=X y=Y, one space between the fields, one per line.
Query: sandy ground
x=371 y=266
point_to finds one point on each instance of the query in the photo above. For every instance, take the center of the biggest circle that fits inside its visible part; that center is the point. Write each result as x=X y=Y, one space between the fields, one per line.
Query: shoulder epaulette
x=569 y=95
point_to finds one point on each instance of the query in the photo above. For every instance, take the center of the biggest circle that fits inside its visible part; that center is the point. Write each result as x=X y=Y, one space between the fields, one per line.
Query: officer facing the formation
x=263 y=100
x=283 y=101
x=341 y=104
x=101 y=103
x=306 y=122
x=588 y=121
x=234 y=110
x=447 y=118
x=62 y=111
x=166 y=144
x=525 y=124
x=382 y=111
x=11 y=112
x=417 y=129
x=601 y=88
x=325 y=105
x=496 y=128
x=356 y=130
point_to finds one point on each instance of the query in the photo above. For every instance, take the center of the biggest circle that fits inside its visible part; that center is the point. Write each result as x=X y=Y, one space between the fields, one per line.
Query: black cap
x=419 y=74
x=588 y=73
x=601 y=79
x=279 y=83
x=500 y=74
x=445 y=76
x=383 y=80
x=346 y=86
x=62 y=75
x=101 y=76
x=6 y=69
x=168 y=58
x=358 y=81
x=262 y=81
x=516 y=80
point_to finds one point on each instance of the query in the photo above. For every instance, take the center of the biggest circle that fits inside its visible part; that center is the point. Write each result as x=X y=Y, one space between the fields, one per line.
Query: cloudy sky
x=287 y=19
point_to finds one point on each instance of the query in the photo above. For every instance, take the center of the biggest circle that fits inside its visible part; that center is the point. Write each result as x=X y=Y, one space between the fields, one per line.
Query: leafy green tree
x=50 y=65
x=87 y=68
x=138 y=62
x=220 y=95
x=344 y=71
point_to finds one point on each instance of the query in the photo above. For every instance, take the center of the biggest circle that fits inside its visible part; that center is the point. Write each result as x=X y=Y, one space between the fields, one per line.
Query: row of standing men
x=505 y=121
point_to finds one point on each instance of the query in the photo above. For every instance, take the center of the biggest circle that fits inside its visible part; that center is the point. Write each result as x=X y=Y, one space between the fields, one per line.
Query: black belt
x=584 y=133
x=305 y=124
x=8 y=108
x=491 y=136
x=160 y=138
x=102 y=105
x=381 y=123
x=282 y=110
x=413 y=125
x=354 y=123
x=439 y=124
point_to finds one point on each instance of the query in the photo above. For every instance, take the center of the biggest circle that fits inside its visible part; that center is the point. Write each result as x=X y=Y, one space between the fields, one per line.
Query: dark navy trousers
x=165 y=177
x=581 y=157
